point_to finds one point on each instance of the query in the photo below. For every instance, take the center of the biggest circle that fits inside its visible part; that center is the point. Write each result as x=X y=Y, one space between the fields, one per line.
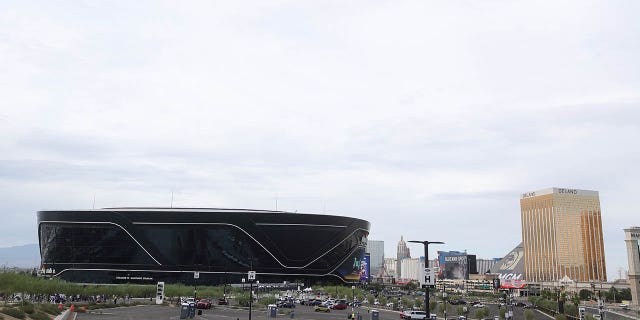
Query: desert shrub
x=16 y=313
x=28 y=308
x=40 y=316
x=528 y=314
x=48 y=308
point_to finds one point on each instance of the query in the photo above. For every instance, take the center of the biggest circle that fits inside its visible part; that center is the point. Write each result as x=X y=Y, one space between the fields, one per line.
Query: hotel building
x=632 y=236
x=402 y=253
x=375 y=249
x=562 y=235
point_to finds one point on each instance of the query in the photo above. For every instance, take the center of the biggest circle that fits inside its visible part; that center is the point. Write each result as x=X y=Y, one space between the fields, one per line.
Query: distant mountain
x=25 y=256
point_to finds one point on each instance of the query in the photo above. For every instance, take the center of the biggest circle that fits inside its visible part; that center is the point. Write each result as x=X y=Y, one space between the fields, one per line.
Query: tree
x=433 y=305
x=612 y=295
x=503 y=313
x=481 y=313
x=243 y=299
x=267 y=300
x=625 y=294
x=419 y=303
x=585 y=294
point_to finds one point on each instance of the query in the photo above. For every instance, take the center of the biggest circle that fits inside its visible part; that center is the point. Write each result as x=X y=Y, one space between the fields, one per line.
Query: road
x=152 y=312
x=614 y=314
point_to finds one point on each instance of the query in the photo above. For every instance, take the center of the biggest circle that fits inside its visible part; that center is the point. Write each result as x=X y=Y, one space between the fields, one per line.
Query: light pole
x=353 y=297
x=444 y=300
x=426 y=265
x=251 y=276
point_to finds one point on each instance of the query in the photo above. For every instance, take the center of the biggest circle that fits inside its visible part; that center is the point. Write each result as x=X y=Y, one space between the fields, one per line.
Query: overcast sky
x=426 y=118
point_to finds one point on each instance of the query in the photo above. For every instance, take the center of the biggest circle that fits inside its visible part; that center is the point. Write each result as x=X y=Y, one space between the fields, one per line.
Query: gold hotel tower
x=562 y=235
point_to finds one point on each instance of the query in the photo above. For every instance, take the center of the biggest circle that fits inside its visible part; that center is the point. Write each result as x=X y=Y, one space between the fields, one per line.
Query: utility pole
x=426 y=244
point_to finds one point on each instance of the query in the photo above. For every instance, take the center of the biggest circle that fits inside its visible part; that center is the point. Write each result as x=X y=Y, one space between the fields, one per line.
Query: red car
x=339 y=306
x=203 y=304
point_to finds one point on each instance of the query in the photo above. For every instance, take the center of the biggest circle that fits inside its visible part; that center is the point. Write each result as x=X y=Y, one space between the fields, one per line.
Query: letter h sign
x=429 y=277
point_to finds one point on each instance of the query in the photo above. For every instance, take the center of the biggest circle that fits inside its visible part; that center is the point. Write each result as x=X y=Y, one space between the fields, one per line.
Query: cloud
x=414 y=116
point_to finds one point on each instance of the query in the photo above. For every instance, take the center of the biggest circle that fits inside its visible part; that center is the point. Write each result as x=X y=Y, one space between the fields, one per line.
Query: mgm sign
x=632 y=236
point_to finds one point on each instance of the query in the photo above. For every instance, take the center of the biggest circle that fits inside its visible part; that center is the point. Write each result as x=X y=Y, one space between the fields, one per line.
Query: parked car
x=321 y=308
x=203 y=304
x=223 y=301
x=416 y=315
x=339 y=306
x=285 y=304
x=478 y=305
x=314 y=303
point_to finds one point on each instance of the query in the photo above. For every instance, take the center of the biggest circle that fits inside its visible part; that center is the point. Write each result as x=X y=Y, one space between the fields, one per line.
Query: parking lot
x=227 y=313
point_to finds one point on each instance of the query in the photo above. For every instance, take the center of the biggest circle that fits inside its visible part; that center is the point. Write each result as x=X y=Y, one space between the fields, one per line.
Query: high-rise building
x=390 y=265
x=403 y=252
x=412 y=269
x=375 y=249
x=562 y=235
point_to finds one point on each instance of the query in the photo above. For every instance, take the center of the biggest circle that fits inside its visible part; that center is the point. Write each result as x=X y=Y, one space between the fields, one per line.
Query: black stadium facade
x=145 y=245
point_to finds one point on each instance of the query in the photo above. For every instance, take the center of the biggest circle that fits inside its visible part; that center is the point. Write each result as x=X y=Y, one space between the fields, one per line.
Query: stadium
x=146 y=245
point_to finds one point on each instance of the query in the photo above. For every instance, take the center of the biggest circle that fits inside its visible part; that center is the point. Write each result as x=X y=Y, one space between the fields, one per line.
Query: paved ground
x=223 y=313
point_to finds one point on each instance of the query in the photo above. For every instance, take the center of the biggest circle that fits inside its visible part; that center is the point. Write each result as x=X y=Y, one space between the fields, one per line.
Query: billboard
x=359 y=269
x=512 y=265
x=512 y=284
x=453 y=265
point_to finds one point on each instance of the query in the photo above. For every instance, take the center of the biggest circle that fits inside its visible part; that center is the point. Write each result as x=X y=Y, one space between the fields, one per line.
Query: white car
x=416 y=315
x=478 y=305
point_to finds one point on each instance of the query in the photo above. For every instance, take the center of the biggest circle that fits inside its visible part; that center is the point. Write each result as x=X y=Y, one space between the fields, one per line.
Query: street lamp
x=251 y=276
x=444 y=300
x=353 y=297
x=426 y=265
